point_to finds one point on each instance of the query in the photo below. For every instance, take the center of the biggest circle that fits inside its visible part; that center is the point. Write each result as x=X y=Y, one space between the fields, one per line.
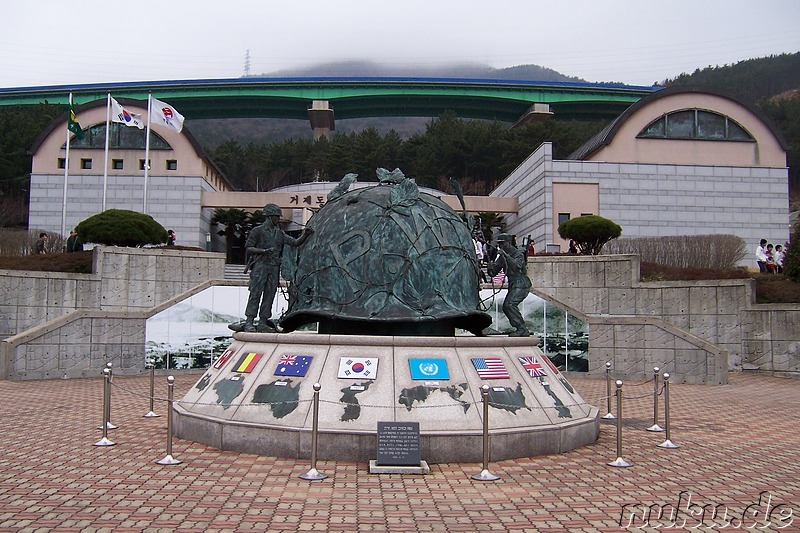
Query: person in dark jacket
x=74 y=244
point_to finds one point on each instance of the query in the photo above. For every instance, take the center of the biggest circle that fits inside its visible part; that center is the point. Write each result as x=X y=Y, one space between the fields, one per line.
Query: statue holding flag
x=512 y=261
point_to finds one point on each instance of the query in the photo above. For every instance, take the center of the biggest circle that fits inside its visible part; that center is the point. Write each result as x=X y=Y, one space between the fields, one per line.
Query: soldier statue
x=264 y=247
x=512 y=261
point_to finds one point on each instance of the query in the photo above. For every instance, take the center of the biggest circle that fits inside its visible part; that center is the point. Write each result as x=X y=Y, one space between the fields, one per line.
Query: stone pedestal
x=249 y=402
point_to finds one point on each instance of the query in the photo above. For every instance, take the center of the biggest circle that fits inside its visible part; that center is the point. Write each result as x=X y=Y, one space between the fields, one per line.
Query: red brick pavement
x=739 y=443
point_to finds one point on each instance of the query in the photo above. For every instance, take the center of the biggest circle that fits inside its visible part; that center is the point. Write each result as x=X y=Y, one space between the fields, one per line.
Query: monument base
x=375 y=468
x=257 y=398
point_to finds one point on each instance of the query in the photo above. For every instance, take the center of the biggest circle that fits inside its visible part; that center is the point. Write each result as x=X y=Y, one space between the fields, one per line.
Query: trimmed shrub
x=722 y=252
x=590 y=232
x=120 y=227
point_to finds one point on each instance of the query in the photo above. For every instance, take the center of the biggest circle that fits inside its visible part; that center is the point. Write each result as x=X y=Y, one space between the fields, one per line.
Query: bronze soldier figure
x=265 y=247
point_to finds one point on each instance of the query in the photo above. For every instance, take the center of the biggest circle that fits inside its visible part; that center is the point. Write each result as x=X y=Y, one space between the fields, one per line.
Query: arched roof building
x=179 y=173
x=681 y=161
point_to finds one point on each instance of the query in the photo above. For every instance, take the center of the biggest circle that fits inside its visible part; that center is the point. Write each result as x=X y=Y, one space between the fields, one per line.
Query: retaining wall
x=697 y=330
x=58 y=324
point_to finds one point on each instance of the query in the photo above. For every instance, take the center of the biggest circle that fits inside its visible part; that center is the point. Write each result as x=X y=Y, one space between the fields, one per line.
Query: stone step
x=235 y=272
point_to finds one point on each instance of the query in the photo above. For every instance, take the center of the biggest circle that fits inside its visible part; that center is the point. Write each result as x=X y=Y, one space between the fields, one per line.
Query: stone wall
x=697 y=330
x=59 y=324
x=771 y=339
x=174 y=201
x=652 y=200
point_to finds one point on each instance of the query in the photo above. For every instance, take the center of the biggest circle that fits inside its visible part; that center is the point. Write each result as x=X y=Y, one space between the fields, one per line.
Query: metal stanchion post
x=152 y=413
x=485 y=475
x=106 y=391
x=109 y=424
x=667 y=443
x=313 y=474
x=619 y=461
x=609 y=415
x=168 y=459
x=655 y=426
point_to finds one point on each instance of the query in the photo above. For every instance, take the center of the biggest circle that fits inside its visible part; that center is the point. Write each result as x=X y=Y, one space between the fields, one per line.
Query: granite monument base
x=258 y=397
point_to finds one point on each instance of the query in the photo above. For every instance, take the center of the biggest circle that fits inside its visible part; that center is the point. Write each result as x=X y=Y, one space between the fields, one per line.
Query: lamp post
x=208 y=241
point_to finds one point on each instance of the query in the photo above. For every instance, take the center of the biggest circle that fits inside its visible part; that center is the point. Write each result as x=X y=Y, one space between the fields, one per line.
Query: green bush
x=791 y=264
x=590 y=232
x=120 y=227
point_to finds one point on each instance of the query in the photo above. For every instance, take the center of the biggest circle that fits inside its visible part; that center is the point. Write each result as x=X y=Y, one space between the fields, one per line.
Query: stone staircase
x=235 y=272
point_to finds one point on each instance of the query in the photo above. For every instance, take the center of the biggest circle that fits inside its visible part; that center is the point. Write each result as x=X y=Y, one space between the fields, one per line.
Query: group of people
x=770 y=258
x=73 y=243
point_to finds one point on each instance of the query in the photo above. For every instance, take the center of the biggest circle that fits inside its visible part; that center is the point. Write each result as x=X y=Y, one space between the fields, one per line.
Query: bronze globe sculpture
x=386 y=260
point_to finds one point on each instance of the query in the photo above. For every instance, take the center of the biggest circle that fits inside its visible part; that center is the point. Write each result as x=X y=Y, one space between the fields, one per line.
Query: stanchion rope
x=638 y=384
x=401 y=407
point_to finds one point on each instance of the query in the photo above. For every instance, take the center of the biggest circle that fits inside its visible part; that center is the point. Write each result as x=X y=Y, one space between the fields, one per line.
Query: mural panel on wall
x=194 y=332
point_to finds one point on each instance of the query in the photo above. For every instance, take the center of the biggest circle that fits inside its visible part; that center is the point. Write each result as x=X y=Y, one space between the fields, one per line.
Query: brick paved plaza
x=739 y=446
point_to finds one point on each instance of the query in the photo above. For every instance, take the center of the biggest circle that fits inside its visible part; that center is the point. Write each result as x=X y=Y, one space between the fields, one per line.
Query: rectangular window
x=586 y=214
x=117 y=164
x=141 y=164
x=86 y=164
x=562 y=217
x=172 y=164
x=62 y=162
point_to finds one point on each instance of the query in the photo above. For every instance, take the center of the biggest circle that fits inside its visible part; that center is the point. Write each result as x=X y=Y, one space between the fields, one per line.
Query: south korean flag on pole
x=358 y=367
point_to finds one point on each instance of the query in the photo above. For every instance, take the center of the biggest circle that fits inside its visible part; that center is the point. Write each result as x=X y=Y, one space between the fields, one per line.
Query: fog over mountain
x=455 y=70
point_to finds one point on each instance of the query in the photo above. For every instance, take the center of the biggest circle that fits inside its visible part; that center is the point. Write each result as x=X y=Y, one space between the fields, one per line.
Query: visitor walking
x=769 y=259
x=73 y=243
x=780 y=257
x=761 y=256
x=41 y=245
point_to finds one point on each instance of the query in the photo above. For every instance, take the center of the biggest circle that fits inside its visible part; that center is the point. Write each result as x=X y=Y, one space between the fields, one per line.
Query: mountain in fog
x=455 y=70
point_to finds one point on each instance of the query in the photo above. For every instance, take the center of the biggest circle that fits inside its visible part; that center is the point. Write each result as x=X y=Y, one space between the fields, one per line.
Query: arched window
x=697 y=124
x=120 y=136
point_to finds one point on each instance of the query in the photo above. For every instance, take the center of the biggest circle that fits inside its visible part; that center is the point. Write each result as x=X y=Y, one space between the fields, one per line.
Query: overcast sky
x=638 y=42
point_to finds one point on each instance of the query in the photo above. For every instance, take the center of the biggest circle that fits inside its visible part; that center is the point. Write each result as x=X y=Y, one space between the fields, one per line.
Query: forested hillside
x=752 y=80
x=477 y=153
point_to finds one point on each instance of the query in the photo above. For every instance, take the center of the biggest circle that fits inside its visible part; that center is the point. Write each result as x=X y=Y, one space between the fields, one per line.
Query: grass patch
x=75 y=262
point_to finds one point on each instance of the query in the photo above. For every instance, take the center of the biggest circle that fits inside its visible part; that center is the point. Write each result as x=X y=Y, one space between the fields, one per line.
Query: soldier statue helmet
x=271 y=210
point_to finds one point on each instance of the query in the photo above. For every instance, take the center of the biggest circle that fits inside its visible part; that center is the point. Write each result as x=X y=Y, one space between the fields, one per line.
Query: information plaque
x=398 y=444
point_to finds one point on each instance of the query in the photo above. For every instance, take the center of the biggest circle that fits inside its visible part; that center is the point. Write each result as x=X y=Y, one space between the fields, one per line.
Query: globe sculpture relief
x=386 y=260
x=389 y=274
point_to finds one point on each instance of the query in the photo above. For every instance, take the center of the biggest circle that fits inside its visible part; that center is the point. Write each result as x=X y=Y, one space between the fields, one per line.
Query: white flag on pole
x=166 y=115
x=123 y=116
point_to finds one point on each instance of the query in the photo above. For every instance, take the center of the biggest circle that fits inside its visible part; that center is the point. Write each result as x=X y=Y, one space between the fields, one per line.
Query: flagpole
x=147 y=153
x=66 y=178
x=105 y=160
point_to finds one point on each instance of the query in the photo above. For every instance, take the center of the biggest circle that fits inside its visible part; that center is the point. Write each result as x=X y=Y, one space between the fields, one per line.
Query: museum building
x=681 y=161
x=179 y=173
